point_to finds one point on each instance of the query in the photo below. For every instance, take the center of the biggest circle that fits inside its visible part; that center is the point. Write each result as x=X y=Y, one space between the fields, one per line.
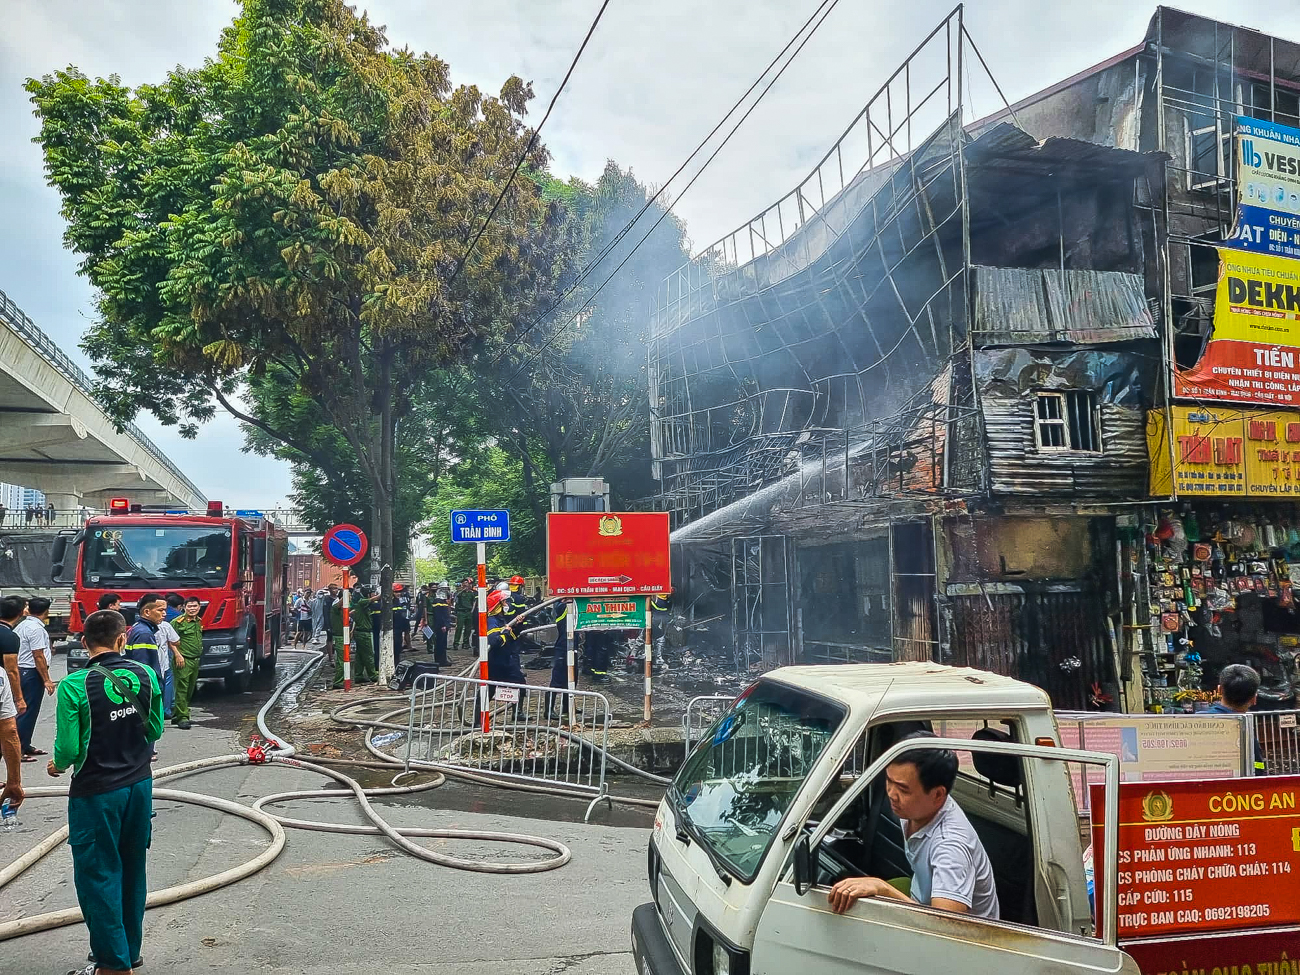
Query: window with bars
x=1067 y=420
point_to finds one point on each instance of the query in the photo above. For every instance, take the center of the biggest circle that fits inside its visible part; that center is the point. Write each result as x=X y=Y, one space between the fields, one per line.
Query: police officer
x=363 y=656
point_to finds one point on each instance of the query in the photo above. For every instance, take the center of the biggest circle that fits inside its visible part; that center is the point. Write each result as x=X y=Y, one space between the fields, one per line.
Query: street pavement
x=338 y=903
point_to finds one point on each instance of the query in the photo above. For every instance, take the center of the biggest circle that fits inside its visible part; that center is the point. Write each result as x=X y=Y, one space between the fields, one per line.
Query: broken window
x=1067 y=421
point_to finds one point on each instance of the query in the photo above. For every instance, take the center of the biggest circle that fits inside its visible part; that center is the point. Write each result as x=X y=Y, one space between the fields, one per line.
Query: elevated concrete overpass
x=55 y=437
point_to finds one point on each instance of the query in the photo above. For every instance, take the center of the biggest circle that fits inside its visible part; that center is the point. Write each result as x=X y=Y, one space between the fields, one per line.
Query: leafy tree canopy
x=296 y=207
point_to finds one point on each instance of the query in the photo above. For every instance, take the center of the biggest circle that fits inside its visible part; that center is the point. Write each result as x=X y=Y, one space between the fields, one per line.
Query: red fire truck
x=235 y=563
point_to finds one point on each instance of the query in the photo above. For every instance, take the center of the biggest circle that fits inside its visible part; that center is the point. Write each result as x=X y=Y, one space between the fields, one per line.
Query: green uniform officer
x=363 y=653
x=190 y=629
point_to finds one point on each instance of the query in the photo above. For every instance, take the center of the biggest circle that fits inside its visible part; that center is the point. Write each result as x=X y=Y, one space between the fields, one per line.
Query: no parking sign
x=344 y=545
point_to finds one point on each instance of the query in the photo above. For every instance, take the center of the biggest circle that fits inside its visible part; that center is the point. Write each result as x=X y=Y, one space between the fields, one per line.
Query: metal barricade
x=530 y=737
x=1278 y=738
x=701 y=712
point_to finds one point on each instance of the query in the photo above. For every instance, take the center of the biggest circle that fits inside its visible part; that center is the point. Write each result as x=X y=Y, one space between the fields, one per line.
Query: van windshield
x=734 y=789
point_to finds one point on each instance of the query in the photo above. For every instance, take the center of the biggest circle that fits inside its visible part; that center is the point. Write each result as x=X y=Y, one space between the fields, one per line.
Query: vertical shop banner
x=1268 y=188
x=1252 y=353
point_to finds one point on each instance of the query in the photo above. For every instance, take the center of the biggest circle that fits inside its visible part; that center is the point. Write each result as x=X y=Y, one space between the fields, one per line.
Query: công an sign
x=1223 y=451
x=1202 y=856
x=614 y=613
x=606 y=553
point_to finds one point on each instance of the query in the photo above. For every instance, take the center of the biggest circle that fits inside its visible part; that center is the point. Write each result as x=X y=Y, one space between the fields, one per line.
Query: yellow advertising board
x=1252 y=353
x=1223 y=451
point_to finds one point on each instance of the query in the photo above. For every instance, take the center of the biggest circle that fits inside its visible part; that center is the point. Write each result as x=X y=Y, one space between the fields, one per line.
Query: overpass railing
x=36 y=519
x=32 y=334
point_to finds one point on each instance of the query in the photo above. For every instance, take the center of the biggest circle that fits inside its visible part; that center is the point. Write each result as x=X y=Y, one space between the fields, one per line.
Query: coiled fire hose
x=282 y=754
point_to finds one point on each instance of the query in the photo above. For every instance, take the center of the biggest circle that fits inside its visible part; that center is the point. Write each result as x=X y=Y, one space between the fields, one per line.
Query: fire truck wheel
x=267 y=664
x=237 y=681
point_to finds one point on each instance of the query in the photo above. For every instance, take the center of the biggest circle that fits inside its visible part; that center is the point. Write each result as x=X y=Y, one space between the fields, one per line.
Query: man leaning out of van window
x=950 y=870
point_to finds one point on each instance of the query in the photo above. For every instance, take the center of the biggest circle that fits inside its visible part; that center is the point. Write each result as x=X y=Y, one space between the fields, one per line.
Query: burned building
x=950 y=398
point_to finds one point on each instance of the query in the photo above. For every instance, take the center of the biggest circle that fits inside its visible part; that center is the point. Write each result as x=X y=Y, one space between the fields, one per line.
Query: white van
x=784 y=796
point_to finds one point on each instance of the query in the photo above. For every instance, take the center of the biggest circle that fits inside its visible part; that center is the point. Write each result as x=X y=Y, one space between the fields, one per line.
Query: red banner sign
x=1243 y=952
x=1194 y=857
x=605 y=553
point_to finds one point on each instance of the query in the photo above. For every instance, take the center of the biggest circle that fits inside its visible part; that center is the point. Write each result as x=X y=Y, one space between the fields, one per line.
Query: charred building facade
x=953 y=397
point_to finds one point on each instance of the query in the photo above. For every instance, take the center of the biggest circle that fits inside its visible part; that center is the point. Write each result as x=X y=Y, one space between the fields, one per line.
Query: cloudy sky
x=656 y=77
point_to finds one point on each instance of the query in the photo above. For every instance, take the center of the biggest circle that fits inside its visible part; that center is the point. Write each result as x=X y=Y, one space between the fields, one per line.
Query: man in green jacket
x=108 y=716
x=466 y=615
x=363 y=655
x=190 y=628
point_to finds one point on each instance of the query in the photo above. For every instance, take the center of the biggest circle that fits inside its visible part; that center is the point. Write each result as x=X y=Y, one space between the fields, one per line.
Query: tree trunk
x=384 y=500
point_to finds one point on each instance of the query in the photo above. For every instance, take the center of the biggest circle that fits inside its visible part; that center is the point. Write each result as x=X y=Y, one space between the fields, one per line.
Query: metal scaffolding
x=787 y=340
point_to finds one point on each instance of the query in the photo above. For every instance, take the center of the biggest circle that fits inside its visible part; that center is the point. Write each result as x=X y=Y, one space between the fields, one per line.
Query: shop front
x=1220 y=561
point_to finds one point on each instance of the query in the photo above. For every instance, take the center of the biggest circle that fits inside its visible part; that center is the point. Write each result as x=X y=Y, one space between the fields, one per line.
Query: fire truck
x=235 y=563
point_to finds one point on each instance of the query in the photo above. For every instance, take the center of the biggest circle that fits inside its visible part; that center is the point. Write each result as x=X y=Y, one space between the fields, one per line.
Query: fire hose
x=281 y=753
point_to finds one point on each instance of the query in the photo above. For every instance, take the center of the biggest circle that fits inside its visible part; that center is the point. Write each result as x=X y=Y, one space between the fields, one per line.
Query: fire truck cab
x=235 y=564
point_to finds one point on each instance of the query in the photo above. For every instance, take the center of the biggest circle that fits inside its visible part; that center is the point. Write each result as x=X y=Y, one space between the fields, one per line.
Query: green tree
x=300 y=203
x=491 y=477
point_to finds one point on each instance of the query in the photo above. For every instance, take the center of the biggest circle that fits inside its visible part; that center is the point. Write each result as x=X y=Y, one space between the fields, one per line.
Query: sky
x=655 y=78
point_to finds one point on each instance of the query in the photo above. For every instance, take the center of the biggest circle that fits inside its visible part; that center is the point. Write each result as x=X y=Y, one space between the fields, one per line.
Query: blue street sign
x=248 y=513
x=480 y=526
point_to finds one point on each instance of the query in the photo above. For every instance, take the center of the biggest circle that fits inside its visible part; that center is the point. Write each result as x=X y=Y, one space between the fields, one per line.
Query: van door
x=798 y=932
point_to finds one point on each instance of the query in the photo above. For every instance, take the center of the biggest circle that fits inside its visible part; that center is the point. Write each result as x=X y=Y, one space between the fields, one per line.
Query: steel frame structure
x=848 y=235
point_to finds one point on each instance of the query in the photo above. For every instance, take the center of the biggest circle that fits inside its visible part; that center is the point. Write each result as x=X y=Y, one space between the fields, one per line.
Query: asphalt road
x=341 y=904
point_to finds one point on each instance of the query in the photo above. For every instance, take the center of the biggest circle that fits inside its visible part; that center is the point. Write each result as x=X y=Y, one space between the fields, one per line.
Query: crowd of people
x=32 y=514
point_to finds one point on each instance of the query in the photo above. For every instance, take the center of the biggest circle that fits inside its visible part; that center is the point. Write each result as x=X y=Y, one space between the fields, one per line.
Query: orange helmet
x=516 y=582
x=495 y=599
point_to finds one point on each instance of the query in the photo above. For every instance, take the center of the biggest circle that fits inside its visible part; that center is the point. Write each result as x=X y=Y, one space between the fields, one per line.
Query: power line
x=617 y=239
x=527 y=149
x=830 y=5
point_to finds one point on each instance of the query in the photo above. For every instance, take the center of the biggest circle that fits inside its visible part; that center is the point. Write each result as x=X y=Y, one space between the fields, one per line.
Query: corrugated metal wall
x=1016 y=466
x=1035 y=634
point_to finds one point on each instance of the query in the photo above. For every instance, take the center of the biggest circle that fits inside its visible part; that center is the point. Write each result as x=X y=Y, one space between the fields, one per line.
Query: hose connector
x=256 y=751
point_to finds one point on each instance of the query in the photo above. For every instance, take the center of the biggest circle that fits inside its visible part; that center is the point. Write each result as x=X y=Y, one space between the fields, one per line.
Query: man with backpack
x=109 y=715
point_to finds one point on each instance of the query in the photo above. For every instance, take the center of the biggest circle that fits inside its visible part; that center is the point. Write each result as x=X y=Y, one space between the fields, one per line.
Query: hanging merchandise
x=1220 y=583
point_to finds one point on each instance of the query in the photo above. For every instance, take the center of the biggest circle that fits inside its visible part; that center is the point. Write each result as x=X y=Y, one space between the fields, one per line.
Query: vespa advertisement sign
x=1268 y=188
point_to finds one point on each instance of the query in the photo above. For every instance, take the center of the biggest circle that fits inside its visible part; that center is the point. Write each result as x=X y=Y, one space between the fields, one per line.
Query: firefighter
x=660 y=603
x=597 y=647
x=517 y=594
x=503 y=645
x=560 y=658
x=440 y=621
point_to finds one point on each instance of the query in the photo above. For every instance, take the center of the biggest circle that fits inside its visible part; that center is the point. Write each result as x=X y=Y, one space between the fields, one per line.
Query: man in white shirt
x=950 y=869
x=33 y=670
x=169 y=654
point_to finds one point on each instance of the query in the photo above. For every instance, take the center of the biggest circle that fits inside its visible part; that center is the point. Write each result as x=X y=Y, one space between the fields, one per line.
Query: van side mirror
x=803 y=869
